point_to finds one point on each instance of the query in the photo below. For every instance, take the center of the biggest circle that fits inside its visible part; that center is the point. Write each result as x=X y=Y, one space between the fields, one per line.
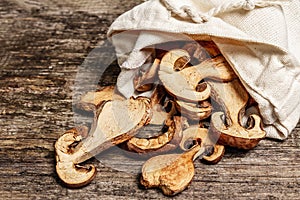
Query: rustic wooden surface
x=43 y=44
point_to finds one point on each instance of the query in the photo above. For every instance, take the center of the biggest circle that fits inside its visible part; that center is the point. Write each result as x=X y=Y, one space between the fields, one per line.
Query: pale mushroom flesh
x=183 y=84
x=172 y=173
x=211 y=152
x=233 y=97
x=109 y=129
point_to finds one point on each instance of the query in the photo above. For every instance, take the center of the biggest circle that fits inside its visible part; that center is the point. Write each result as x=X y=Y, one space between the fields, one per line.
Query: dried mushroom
x=233 y=97
x=192 y=75
x=144 y=81
x=163 y=140
x=172 y=172
x=202 y=50
x=210 y=47
x=92 y=100
x=71 y=174
x=186 y=83
x=194 y=111
x=212 y=153
x=162 y=128
x=109 y=128
x=196 y=51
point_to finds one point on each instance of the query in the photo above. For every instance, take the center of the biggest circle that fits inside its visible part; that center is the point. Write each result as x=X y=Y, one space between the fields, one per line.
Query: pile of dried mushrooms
x=197 y=108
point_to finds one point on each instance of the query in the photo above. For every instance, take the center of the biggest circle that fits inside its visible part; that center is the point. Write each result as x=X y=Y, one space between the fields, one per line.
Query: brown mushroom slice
x=144 y=81
x=171 y=172
x=213 y=152
x=183 y=84
x=210 y=47
x=161 y=128
x=92 y=100
x=194 y=111
x=109 y=128
x=234 y=98
x=198 y=51
x=169 y=126
x=167 y=133
x=73 y=176
x=161 y=112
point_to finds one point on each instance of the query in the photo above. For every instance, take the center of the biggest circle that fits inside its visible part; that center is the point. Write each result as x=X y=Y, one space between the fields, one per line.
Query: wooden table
x=43 y=45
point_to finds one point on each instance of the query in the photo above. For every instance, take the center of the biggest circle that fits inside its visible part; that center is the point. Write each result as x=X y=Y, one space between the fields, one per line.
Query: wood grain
x=43 y=46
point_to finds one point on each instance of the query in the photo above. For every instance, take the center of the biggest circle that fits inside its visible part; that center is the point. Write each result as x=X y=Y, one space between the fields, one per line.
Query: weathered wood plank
x=43 y=45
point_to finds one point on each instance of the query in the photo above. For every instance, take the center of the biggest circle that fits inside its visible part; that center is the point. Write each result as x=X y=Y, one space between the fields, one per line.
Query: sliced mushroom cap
x=162 y=126
x=212 y=153
x=196 y=51
x=194 y=111
x=202 y=50
x=233 y=97
x=92 y=100
x=183 y=84
x=144 y=81
x=161 y=109
x=161 y=141
x=172 y=172
x=210 y=47
x=72 y=175
x=109 y=128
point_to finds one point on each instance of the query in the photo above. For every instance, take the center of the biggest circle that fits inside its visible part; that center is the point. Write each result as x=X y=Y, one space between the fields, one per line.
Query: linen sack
x=258 y=38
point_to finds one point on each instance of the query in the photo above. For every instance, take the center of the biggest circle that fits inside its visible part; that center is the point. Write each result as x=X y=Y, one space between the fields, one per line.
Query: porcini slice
x=211 y=152
x=210 y=47
x=183 y=84
x=144 y=81
x=194 y=111
x=72 y=175
x=172 y=173
x=109 y=129
x=202 y=50
x=149 y=138
x=233 y=97
x=92 y=100
x=166 y=139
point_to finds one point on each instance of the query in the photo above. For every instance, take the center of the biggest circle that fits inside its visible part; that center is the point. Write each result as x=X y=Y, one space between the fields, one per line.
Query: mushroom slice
x=194 y=111
x=109 y=128
x=213 y=152
x=210 y=47
x=161 y=141
x=233 y=97
x=73 y=176
x=184 y=84
x=171 y=172
x=161 y=112
x=202 y=50
x=144 y=81
x=92 y=100
x=161 y=128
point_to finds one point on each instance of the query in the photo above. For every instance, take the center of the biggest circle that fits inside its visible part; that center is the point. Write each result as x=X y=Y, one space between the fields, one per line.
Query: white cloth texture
x=258 y=38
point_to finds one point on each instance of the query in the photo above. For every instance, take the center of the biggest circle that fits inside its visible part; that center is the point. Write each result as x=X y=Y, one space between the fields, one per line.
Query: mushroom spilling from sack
x=197 y=108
